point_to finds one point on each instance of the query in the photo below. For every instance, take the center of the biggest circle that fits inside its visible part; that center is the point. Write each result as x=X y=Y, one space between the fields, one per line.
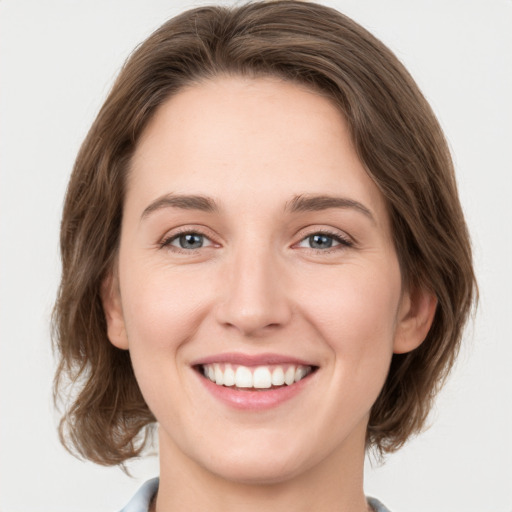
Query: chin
x=262 y=461
x=258 y=471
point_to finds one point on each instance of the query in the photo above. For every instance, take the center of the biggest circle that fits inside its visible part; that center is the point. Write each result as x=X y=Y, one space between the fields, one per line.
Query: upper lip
x=251 y=359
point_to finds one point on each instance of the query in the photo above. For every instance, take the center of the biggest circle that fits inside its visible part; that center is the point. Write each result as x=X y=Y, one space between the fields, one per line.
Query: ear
x=415 y=317
x=111 y=299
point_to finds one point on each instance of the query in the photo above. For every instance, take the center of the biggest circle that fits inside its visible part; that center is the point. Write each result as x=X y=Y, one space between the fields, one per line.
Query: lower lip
x=255 y=400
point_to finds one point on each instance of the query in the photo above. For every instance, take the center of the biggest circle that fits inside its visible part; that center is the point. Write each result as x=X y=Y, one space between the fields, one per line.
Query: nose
x=254 y=293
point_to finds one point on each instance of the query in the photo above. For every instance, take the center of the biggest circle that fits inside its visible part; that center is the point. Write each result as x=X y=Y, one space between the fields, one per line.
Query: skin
x=258 y=286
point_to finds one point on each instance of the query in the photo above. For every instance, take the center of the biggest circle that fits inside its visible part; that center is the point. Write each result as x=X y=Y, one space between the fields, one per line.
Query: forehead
x=229 y=135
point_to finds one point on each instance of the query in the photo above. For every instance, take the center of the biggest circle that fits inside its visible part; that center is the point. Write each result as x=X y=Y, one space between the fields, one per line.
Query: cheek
x=357 y=315
x=162 y=311
x=161 y=306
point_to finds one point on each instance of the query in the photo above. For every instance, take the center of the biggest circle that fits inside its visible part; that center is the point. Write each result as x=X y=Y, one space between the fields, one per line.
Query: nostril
x=253 y=322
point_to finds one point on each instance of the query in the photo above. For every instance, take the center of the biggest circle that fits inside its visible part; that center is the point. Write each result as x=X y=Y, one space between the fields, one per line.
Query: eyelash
x=343 y=242
x=167 y=241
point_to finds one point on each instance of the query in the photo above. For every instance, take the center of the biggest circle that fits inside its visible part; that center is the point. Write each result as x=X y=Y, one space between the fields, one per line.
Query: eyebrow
x=309 y=203
x=185 y=202
x=300 y=203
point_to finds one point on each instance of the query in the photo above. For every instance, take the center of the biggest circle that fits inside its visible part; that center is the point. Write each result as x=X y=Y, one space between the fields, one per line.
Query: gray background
x=57 y=62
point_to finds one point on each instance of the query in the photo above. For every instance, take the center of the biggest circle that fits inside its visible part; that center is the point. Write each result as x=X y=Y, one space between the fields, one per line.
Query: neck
x=333 y=484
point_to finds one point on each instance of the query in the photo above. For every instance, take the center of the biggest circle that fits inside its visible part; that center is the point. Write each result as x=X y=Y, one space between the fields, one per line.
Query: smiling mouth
x=255 y=378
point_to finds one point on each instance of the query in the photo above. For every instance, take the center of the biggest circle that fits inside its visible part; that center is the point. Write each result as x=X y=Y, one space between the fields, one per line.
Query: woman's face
x=255 y=251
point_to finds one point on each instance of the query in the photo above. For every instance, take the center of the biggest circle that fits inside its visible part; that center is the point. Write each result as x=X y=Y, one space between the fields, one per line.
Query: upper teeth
x=254 y=377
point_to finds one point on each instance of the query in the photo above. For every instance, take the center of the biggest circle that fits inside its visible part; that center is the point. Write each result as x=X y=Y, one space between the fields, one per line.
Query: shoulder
x=376 y=505
x=142 y=498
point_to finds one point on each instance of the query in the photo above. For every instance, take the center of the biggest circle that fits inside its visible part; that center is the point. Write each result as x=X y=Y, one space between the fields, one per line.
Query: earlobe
x=111 y=300
x=417 y=310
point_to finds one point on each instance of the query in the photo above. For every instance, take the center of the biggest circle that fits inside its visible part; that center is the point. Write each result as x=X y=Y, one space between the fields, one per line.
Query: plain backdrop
x=57 y=63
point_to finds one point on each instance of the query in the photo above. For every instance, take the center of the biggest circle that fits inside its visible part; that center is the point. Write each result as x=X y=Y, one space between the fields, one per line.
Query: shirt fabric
x=142 y=499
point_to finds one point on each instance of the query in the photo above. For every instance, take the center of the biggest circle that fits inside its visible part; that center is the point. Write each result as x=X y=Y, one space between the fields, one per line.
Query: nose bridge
x=254 y=297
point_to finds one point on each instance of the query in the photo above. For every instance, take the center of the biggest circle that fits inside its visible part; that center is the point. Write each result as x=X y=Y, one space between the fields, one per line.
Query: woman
x=264 y=252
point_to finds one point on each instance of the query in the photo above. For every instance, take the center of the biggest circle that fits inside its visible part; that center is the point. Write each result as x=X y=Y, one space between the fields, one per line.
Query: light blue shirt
x=140 y=502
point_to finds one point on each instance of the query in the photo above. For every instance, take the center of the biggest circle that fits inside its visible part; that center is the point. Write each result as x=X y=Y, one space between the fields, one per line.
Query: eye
x=323 y=241
x=187 y=241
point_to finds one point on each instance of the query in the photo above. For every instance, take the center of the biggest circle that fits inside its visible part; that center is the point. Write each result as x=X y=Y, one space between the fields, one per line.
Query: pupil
x=320 y=241
x=191 y=241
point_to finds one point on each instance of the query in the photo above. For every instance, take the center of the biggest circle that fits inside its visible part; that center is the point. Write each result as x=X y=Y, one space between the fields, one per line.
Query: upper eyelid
x=334 y=236
x=324 y=230
x=301 y=234
x=183 y=230
x=342 y=242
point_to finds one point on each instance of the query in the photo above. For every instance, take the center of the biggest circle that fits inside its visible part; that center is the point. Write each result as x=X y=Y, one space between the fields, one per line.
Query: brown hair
x=396 y=135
